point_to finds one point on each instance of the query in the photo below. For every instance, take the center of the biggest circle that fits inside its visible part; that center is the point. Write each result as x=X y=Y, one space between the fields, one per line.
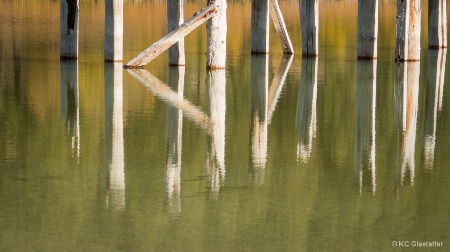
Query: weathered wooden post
x=309 y=17
x=114 y=132
x=175 y=17
x=174 y=135
x=113 y=30
x=216 y=29
x=367 y=29
x=408 y=30
x=306 y=118
x=433 y=102
x=260 y=26
x=68 y=44
x=365 y=144
x=437 y=23
x=216 y=108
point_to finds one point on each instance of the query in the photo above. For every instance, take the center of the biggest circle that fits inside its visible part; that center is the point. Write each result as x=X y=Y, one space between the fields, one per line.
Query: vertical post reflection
x=433 y=102
x=406 y=106
x=216 y=106
x=306 y=119
x=70 y=109
x=259 y=106
x=366 y=91
x=174 y=133
x=114 y=135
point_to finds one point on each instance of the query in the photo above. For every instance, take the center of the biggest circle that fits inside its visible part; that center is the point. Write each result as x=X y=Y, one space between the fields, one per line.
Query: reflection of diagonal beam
x=277 y=84
x=164 y=92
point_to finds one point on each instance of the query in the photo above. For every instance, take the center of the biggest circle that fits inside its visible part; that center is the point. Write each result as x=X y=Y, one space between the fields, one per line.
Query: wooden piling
x=437 y=23
x=408 y=30
x=367 y=29
x=175 y=18
x=309 y=16
x=216 y=29
x=113 y=30
x=260 y=26
x=280 y=27
x=68 y=44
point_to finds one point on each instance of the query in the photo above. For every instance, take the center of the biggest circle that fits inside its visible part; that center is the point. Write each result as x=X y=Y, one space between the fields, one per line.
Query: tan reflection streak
x=278 y=83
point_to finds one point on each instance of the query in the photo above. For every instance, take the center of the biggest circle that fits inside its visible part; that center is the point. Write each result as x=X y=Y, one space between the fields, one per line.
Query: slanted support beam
x=260 y=26
x=309 y=17
x=367 y=29
x=408 y=30
x=280 y=27
x=216 y=32
x=173 y=37
x=68 y=44
x=437 y=23
x=113 y=30
x=175 y=18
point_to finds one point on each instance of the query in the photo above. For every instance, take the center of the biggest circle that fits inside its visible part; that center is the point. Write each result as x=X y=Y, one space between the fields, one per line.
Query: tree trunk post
x=408 y=30
x=260 y=26
x=175 y=17
x=437 y=23
x=367 y=29
x=216 y=32
x=113 y=30
x=309 y=17
x=68 y=44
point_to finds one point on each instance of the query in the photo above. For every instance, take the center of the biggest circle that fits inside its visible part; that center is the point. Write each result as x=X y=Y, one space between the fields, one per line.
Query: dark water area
x=274 y=153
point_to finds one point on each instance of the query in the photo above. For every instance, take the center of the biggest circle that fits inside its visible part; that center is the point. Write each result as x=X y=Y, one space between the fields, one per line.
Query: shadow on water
x=114 y=145
x=365 y=113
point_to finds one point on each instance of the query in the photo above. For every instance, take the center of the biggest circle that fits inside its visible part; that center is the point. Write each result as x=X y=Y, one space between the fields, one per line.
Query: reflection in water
x=70 y=109
x=114 y=135
x=174 y=133
x=258 y=106
x=216 y=104
x=406 y=104
x=306 y=120
x=433 y=101
x=366 y=90
x=278 y=83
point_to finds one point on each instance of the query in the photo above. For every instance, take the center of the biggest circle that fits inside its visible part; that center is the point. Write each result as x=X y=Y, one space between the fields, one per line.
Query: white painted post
x=260 y=26
x=309 y=15
x=175 y=17
x=113 y=30
x=216 y=50
x=68 y=44
x=408 y=30
x=367 y=29
x=437 y=23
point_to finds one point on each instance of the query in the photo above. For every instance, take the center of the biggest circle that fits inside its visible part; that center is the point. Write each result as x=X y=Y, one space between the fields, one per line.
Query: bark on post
x=260 y=26
x=309 y=17
x=408 y=30
x=175 y=17
x=68 y=44
x=367 y=29
x=216 y=51
x=113 y=30
x=437 y=23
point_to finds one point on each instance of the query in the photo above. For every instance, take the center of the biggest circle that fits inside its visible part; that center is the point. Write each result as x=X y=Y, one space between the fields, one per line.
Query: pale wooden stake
x=68 y=44
x=175 y=18
x=309 y=16
x=113 y=30
x=408 y=30
x=173 y=37
x=280 y=27
x=260 y=26
x=367 y=28
x=437 y=23
x=216 y=32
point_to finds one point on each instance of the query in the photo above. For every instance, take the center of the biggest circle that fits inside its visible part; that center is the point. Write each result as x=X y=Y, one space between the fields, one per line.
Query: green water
x=272 y=154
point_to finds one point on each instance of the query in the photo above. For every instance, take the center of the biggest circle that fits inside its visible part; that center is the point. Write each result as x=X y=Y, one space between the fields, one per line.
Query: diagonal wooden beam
x=280 y=27
x=173 y=37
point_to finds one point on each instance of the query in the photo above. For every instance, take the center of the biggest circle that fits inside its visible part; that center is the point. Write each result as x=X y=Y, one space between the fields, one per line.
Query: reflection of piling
x=437 y=23
x=114 y=131
x=408 y=30
x=113 y=30
x=365 y=123
x=69 y=29
x=367 y=28
x=309 y=15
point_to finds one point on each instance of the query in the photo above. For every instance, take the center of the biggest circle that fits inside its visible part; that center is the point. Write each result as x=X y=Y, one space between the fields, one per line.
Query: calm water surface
x=272 y=154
